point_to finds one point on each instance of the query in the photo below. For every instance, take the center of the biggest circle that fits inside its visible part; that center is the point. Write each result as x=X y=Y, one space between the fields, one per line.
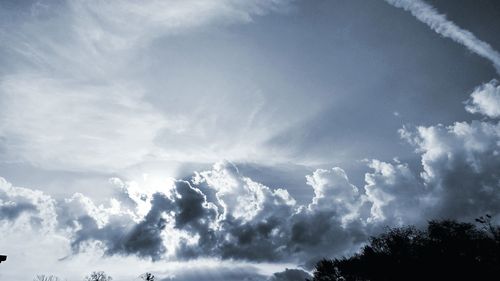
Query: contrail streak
x=446 y=28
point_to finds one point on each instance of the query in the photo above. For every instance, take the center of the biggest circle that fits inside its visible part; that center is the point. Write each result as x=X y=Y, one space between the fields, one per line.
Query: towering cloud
x=446 y=28
x=460 y=164
x=394 y=192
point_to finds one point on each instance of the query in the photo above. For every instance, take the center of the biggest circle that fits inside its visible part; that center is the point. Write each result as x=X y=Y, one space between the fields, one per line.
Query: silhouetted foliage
x=147 y=277
x=98 y=276
x=43 y=277
x=446 y=250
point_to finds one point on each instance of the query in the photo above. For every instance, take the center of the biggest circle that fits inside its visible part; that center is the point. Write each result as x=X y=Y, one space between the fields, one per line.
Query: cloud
x=73 y=102
x=460 y=164
x=224 y=214
x=446 y=28
x=221 y=272
x=485 y=100
x=290 y=275
x=76 y=124
x=25 y=209
x=458 y=177
x=73 y=87
x=166 y=226
x=279 y=228
x=333 y=191
x=395 y=193
x=28 y=227
x=12 y=211
x=221 y=213
x=124 y=23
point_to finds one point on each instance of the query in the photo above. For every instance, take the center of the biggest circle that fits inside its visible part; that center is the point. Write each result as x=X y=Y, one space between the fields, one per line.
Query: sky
x=238 y=140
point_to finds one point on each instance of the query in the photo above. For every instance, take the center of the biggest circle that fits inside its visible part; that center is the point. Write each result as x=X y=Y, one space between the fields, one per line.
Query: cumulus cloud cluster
x=221 y=213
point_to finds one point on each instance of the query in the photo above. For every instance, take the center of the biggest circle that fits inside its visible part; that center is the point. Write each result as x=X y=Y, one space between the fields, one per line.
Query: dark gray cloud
x=121 y=235
x=12 y=210
x=290 y=275
x=222 y=213
x=26 y=207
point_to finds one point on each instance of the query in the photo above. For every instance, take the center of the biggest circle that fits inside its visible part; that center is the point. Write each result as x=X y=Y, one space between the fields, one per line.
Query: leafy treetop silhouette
x=98 y=276
x=43 y=277
x=147 y=277
x=446 y=250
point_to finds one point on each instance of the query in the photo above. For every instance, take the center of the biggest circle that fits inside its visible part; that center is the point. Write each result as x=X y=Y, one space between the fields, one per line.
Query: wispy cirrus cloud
x=72 y=91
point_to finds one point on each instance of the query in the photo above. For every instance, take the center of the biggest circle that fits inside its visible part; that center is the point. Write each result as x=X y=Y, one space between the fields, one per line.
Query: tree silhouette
x=98 y=276
x=147 y=277
x=446 y=250
x=43 y=277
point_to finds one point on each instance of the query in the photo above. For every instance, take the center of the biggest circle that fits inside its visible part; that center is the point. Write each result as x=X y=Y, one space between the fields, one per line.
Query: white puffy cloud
x=485 y=100
x=28 y=227
x=395 y=194
x=460 y=167
x=241 y=197
x=24 y=208
x=333 y=191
